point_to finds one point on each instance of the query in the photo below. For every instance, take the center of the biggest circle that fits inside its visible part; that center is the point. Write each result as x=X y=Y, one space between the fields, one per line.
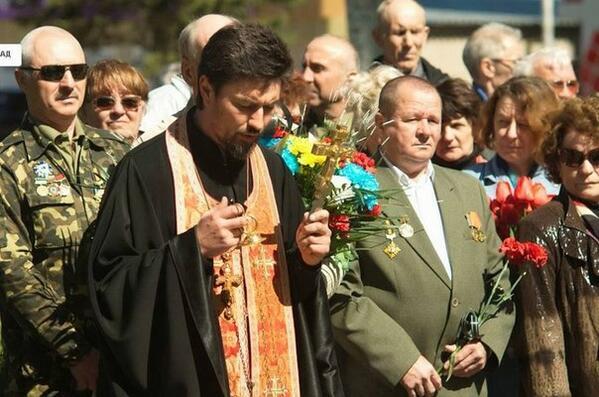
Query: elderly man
x=204 y=237
x=401 y=33
x=399 y=310
x=328 y=62
x=53 y=173
x=167 y=100
x=553 y=65
x=490 y=55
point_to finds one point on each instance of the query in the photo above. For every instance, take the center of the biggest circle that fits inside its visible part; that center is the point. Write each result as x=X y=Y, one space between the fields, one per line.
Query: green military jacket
x=47 y=201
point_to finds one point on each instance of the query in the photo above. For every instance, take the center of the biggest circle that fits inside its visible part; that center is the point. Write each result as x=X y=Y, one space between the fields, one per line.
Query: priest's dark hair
x=244 y=51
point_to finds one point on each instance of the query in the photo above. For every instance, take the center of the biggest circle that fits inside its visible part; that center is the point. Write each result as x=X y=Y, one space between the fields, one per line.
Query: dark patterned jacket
x=558 y=322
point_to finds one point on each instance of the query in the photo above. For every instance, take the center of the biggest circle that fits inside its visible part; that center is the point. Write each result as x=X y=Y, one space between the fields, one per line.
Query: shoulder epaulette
x=12 y=139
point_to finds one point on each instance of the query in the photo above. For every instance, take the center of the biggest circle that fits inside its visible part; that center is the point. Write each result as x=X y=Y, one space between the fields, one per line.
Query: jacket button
x=455 y=302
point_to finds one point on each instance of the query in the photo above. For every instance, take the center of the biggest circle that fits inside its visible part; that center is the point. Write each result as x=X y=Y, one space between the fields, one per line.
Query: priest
x=204 y=269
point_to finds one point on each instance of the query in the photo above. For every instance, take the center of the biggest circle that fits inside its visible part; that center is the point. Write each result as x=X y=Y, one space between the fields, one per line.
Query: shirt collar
x=42 y=135
x=480 y=91
x=418 y=70
x=405 y=181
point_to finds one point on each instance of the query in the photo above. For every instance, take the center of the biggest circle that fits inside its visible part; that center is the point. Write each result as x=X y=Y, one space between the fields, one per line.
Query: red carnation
x=514 y=251
x=279 y=132
x=536 y=254
x=376 y=210
x=364 y=161
x=327 y=139
x=339 y=222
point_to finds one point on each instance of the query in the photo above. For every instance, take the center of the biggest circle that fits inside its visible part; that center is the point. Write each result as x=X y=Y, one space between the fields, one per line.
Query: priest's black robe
x=151 y=289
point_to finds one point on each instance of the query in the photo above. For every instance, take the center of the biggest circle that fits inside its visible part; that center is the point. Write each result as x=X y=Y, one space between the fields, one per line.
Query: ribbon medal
x=475 y=225
x=391 y=249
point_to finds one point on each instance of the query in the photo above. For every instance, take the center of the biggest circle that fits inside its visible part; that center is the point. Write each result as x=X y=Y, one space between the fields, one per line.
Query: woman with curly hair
x=514 y=123
x=559 y=303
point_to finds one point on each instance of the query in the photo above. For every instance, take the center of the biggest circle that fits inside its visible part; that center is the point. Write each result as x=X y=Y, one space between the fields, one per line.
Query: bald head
x=328 y=62
x=401 y=33
x=396 y=88
x=391 y=9
x=338 y=49
x=47 y=39
x=193 y=39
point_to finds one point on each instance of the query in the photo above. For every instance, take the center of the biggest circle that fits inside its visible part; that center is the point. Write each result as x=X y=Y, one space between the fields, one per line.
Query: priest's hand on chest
x=220 y=228
x=313 y=237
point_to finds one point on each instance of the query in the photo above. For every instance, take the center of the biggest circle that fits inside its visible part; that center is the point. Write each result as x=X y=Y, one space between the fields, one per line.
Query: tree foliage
x=153 y=24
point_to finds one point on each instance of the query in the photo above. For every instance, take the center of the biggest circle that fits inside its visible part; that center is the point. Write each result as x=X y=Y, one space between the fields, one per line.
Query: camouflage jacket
x=43 y=213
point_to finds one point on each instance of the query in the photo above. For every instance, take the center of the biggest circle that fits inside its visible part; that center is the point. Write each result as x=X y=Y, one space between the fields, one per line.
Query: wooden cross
x=275 y=390
x=228 y=281
x=265 y=262
x=334 y=151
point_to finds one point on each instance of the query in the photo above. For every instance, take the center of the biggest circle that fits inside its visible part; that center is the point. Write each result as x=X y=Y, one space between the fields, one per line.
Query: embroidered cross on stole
x=257 y=333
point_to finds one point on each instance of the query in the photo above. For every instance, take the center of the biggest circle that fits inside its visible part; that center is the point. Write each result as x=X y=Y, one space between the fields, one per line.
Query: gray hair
x=488 y=41
x=549 y=57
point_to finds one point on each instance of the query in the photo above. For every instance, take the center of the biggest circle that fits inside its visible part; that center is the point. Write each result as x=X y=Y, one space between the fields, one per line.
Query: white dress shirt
x=421 y=193
x=165 y=101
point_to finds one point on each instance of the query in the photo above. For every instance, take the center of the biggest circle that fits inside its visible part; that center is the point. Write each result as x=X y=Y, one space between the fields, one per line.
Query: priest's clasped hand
x=313 y=237
x=220 y=228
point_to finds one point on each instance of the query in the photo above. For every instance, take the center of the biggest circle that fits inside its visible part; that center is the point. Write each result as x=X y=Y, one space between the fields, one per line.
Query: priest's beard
x=238 y=150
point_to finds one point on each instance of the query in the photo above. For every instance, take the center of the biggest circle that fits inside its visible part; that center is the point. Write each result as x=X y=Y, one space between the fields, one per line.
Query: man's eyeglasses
x=574 y=158
x=571 y=85
x=508 y=63
x=107 y=102
x=56 y=72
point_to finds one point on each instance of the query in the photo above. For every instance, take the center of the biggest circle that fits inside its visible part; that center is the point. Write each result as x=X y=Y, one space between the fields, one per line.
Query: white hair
x=549 y=57
x=488 y=41
x=362 y=92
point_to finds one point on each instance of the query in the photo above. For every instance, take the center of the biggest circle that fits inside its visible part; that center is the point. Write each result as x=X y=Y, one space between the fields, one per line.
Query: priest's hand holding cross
x=313 y=237
x=220 y=228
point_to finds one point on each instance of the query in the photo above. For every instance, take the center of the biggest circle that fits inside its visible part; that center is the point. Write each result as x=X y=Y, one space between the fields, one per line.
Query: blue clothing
x=480 y=91
x=498 y=170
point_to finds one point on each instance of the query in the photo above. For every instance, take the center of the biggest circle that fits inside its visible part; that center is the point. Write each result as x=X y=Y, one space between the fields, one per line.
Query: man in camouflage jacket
x=53 y=171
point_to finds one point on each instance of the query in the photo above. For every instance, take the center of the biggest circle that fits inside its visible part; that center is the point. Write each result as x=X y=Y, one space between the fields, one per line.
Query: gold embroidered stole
x=259 y=341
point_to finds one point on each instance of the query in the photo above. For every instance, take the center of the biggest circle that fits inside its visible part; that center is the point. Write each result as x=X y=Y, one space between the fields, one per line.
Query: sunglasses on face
x=107 y=102
x=574 y=158
x=570 y=85
x=56 y=72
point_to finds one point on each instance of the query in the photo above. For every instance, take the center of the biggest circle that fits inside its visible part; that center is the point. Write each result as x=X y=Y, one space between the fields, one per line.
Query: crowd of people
x=150 y=246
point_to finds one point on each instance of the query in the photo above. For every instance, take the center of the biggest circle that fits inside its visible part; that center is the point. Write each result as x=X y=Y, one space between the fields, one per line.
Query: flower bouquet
x=507 y=208
x=333 y=175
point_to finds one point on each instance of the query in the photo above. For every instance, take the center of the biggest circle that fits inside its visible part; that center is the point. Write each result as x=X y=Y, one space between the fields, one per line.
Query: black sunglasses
x=56 y=72
x=108 y=102
x=574 y=158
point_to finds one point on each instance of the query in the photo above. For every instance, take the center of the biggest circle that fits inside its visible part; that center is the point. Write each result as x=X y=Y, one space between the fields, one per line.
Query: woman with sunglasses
x=115 y=98
x=559 y=303
x=514 y=122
